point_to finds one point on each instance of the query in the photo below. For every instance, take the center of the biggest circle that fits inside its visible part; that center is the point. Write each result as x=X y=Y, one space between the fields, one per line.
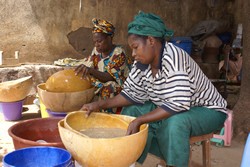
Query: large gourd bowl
x=64 y=101
x=67 y=81
x=15 y=90
x=95 y=152
x=65 y=92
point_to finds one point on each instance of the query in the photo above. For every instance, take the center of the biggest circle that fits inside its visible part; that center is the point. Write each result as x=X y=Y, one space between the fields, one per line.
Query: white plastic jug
x=1 y=57
x=246 y=154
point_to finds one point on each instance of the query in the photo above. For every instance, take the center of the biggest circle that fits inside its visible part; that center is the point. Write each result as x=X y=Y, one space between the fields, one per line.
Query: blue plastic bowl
x=38 y=157
x=56 y=114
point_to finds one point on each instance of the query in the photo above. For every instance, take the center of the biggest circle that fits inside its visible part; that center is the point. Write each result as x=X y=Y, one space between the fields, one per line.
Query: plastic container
x=39 y=103
x=56 y=114
x=1 y=57
x=225 y=37
x=38 y=157
x=12 y=111
x=36 y=132
x=44 y=112
x=183 y=42
x=246 y=154
x=236 y=43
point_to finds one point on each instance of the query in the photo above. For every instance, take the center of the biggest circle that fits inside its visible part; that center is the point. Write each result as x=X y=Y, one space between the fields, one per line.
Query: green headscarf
x=148 y=24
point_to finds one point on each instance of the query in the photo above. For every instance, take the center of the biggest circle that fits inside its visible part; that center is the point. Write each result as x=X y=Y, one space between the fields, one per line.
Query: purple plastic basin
x=56 y=114
x=12 y=110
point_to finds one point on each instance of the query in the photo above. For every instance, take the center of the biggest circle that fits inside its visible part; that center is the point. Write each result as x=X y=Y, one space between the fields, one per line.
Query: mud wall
x=39 y=30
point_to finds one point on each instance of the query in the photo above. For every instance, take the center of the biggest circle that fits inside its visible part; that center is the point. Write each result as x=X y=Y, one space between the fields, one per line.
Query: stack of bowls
x=64 y=92
x=12 y=95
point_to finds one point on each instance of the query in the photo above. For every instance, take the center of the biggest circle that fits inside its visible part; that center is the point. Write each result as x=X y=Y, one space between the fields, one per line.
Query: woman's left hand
x=133 y=127
x=154 y=115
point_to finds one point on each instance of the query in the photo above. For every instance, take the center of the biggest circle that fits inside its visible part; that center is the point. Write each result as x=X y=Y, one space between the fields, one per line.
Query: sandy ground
x=220 y=156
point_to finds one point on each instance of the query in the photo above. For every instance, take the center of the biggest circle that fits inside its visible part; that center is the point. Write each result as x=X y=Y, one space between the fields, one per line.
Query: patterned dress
x=117 y=64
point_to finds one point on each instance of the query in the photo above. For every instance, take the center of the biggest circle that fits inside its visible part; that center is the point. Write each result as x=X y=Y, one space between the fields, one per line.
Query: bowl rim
x=22 y=100
x=22 y=79
x=126 y=136
x=38 y=88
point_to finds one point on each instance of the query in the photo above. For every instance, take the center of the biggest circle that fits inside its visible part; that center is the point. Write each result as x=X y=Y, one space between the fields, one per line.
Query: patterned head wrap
x=103 y=26
x=148 y=24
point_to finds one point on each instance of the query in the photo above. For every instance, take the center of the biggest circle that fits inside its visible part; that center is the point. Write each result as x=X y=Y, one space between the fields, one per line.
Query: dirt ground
x=220 y=156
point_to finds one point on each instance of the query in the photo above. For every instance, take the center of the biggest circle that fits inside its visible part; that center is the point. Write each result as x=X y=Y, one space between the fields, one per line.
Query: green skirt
x=169 y=138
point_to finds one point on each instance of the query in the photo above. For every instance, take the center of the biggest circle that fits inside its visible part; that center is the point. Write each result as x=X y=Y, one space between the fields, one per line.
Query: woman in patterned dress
x=108 y=66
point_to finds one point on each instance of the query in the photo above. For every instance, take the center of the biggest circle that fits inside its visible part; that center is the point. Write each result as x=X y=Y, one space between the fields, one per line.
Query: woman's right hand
x=82 y=69
x=90 y=107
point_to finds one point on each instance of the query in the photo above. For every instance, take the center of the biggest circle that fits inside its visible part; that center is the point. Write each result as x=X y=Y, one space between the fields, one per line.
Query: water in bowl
x=104 y=132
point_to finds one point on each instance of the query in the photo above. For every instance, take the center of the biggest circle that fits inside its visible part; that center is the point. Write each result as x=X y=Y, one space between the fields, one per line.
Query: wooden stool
x=206 y=150
x=205 y=141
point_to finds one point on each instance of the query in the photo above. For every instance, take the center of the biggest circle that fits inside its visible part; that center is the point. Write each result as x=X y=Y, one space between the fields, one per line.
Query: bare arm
x=117 y=101
x=120 y=101
x=101 y=76
x=225 y=51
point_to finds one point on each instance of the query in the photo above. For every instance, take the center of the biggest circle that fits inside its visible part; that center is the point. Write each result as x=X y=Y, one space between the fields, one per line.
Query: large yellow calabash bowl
x=64 y=101
x=15 y=90
x=101 y=152
x=66 y=81
x=77 y=121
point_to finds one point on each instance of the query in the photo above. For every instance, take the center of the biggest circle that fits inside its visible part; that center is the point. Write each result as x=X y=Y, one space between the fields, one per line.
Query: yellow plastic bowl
x=44 y=113
x=96 y=152
x=64 y=101
x=15 y=90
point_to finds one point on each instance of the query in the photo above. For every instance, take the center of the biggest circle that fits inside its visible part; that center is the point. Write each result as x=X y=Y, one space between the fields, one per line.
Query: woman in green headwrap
x=168 y=90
